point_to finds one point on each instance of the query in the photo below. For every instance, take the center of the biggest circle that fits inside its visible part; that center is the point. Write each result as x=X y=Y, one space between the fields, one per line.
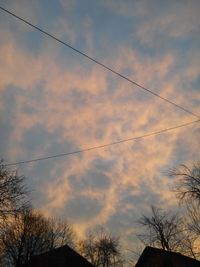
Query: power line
x=100 y=63
x=105 y=145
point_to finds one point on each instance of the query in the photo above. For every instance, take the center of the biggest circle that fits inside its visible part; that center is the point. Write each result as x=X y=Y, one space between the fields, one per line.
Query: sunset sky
x=53 y=100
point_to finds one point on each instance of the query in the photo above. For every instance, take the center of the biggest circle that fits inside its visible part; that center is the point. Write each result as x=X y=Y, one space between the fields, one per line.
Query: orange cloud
x=91 y=107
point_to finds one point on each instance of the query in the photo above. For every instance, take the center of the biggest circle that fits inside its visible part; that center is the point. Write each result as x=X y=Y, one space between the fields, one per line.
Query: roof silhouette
x=60 y=257
x=154 y=257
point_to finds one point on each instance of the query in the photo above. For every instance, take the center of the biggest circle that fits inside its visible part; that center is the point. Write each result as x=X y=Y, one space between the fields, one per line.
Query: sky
x=53 y=100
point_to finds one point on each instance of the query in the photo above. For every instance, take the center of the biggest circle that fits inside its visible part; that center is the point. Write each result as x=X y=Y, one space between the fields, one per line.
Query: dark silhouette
x=101 y=249
x=154 y=257
x=167 y=231
x=13 y=193
x=187 y=186
x=59 y=257
x=29 y=234
x=187 y=189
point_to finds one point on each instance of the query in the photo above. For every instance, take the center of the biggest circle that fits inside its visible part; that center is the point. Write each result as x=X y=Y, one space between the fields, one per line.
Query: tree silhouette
x=187 y=185
x=167 y=231
x=101 y=249
x=187 y=189
x=29 y=234
x=13 y=193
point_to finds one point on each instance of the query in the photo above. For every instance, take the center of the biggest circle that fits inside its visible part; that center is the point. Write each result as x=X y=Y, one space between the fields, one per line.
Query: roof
x=154 y=257
x=60 y=257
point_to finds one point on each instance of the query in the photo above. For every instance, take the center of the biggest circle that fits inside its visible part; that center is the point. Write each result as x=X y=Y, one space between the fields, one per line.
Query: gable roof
x=154 y=257
x=60 y=257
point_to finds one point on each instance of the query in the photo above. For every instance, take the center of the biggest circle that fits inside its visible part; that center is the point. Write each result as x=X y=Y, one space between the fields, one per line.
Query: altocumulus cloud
x=53 y=101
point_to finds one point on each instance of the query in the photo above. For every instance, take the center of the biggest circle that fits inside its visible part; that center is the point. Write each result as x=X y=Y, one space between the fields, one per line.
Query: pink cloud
x=120 y=113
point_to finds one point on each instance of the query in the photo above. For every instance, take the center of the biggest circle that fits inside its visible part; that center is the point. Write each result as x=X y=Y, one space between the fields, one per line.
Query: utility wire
x=105 y=145
x=99 y=63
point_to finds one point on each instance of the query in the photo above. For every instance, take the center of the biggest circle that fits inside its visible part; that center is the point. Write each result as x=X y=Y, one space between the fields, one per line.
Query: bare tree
x=61 y=233
x=13 y=193
x=101 y=249
x=24 y=237
x=194 y=218
x=187 y=188
x=88 y=249
x=166 y=231
x=29 y=234
x=187 y=185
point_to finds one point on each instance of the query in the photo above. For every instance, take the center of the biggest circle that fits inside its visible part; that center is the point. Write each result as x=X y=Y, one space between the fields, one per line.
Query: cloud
x=158 y=23
x=52 y=103
x=177 y=21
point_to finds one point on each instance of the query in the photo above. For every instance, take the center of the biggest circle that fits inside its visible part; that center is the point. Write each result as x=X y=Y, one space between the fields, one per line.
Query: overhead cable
x=104 y=145
x=100 y=63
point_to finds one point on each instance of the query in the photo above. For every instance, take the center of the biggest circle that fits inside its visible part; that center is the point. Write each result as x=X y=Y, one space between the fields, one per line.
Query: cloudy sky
x=53 y=101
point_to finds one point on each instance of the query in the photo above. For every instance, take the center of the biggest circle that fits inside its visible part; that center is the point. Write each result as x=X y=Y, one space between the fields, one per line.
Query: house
x=154 y=257
x=60 y=257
